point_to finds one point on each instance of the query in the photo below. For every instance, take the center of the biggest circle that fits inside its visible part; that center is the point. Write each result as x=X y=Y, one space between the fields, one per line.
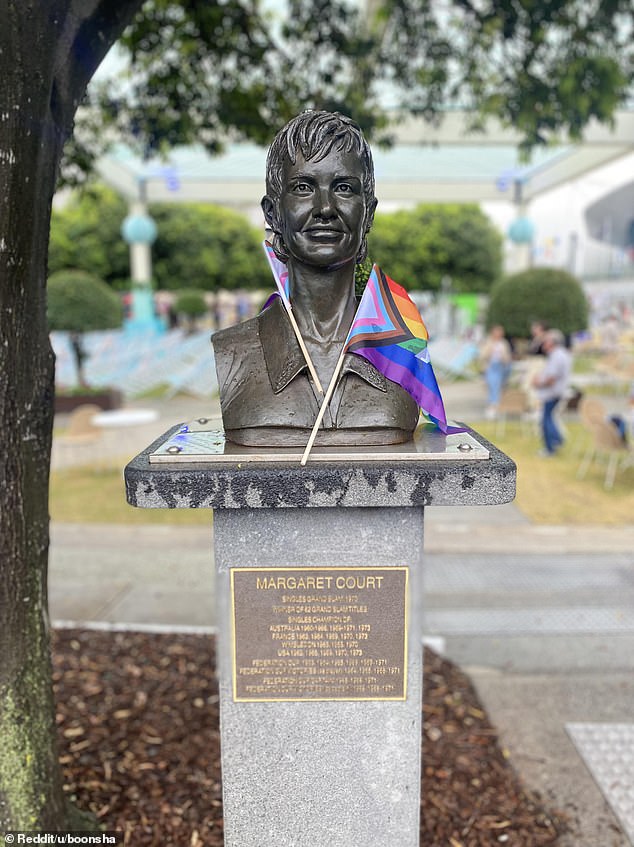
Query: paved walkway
x=541 y=617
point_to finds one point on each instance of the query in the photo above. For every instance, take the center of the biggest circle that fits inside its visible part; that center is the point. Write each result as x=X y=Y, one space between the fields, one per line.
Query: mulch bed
x=137 y=715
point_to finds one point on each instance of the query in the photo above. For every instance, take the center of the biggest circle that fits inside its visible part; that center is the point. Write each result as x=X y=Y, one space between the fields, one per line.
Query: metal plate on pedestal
x=329 y=633
x=196 y=442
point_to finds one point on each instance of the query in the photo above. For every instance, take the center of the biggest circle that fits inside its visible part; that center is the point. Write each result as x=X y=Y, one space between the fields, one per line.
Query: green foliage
x=211 y=80
x=190 y=303
x=538 y=294
x=86 y=235
x=541 y=68
x=198 y=245
x=206 y=247
x=361 y=273
x=418 y=248
x=233 y=69
x=80 y=302
x=236 y=70
x=575 y=65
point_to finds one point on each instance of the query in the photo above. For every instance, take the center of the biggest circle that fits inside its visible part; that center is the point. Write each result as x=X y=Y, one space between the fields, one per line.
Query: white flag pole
x=291 y=317
x=301 y=343
x=324 y=406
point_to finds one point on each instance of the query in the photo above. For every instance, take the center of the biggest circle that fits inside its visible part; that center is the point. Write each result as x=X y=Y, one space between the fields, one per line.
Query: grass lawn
x=93 y=495
x=548 y=491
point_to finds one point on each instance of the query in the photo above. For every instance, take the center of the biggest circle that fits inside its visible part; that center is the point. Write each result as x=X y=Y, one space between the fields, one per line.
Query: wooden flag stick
x=275 y=266
x=324 y=406
x=300 y=341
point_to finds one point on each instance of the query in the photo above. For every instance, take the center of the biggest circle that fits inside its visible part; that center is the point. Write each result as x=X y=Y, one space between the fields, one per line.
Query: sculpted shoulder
x=237 y=352
x=235 y=337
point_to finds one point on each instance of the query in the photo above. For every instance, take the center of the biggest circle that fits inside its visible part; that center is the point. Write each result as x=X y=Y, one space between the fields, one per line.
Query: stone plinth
x=241 y=485
x=320 y=768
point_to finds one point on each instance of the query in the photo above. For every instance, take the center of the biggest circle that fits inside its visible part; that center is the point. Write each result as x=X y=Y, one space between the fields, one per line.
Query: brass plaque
x=319 y=633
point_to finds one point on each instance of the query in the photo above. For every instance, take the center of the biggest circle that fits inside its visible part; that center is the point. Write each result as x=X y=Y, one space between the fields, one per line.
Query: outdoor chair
x=514 y=404
x=606 y=441
x=591 y=410
x=81 y=428
x=616 y=369
x=76 y=445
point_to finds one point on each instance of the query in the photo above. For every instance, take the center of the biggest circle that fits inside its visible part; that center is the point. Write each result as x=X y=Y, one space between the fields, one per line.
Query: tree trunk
x=49 y=49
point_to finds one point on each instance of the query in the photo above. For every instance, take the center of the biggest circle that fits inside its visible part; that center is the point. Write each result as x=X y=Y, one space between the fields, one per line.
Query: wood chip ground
x=137 y=717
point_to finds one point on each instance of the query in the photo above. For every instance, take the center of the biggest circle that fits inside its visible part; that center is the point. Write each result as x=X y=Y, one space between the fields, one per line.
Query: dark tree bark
x=49 y=50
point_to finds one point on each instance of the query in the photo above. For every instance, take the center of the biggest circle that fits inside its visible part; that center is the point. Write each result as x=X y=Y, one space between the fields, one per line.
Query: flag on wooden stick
x=282 y=282
x=280 y=274
x=389 y=332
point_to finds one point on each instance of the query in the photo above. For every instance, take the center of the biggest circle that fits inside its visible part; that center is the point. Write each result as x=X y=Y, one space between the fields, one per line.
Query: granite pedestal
x=321 y=751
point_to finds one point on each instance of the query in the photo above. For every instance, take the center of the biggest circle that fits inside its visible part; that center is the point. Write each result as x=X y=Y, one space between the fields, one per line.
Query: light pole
x=139 y=231
x=522 y=231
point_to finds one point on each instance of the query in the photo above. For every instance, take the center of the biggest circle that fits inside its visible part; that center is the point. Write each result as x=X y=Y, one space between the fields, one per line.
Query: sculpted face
x=322 y=209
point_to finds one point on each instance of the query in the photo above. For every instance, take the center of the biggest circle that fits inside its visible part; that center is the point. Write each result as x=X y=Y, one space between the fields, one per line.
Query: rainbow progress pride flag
x=389 y=332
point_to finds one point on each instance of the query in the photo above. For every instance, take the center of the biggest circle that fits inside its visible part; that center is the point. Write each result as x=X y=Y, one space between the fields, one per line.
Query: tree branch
x=89 y=31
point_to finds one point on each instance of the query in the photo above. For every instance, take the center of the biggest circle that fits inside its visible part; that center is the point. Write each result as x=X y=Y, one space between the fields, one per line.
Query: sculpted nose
x=323 y=204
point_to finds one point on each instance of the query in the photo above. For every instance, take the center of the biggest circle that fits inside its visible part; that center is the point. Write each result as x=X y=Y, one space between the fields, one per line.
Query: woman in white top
x=496 y=356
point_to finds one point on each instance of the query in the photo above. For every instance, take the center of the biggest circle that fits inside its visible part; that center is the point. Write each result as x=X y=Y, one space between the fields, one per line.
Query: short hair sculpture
x=314 y=134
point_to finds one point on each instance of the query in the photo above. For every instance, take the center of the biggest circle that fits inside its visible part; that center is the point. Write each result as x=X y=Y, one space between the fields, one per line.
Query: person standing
x=551 y=384
x=538 y=333
x=496 y=356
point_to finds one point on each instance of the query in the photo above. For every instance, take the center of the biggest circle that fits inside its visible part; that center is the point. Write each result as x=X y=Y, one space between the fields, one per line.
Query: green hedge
x=80 y=302
x=417 y=248
x=538 y=294
x=86 y=234
x=207 y=247
x=190 y=303
x=198 y=245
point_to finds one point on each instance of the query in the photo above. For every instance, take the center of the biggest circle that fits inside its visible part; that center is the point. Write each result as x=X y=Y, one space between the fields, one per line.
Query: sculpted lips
x=323 y=232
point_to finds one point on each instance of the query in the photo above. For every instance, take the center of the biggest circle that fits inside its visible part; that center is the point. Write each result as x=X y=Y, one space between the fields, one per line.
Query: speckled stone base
x=325 y=774
x=287 y=485
x=328 y=773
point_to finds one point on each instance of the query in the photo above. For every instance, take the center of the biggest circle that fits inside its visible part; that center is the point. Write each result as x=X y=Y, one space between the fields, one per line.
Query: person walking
x=538 y=333
x=496 y=356
x=551 y=384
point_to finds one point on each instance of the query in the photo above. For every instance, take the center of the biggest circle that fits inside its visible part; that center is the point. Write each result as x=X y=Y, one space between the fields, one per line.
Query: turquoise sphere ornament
x=139 y=229
x=522 y=231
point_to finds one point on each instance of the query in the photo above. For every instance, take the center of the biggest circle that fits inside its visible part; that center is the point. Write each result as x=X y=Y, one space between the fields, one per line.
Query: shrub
x=80 y=302
x=538 y=294
x=207 y=247
x=198 y=245
x=361 y=273
x=419 y=247
x=190 y=303
x=86 y=235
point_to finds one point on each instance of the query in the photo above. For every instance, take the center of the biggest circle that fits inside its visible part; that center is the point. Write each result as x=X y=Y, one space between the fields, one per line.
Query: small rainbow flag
x=280 y=275
x=389 y=332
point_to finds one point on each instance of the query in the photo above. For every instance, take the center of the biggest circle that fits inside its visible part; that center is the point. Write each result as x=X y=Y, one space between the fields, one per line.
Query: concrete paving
x=542 y=618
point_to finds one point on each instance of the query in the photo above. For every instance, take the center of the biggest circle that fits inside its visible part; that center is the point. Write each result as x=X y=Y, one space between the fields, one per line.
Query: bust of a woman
x=320 y=206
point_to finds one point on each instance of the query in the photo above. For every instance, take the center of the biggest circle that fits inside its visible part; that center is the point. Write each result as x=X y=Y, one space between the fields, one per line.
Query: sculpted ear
x=369 y=220
x=268 y=207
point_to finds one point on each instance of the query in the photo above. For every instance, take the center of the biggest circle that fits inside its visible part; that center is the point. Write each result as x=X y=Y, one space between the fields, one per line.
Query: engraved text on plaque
x=319 y=633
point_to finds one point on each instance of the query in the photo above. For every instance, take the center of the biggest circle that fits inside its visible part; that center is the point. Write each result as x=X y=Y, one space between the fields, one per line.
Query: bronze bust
x=320 y=206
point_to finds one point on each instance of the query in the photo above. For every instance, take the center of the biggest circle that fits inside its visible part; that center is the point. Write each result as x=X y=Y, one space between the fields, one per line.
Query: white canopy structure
x=441 y=164
x=446 y=163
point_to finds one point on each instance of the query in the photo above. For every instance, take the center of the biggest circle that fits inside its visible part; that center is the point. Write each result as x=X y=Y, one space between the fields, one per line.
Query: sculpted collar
x=285 y=360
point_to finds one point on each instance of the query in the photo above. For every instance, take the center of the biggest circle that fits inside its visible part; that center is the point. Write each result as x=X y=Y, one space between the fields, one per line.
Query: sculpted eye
x=344 y=188
x=301 y=187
